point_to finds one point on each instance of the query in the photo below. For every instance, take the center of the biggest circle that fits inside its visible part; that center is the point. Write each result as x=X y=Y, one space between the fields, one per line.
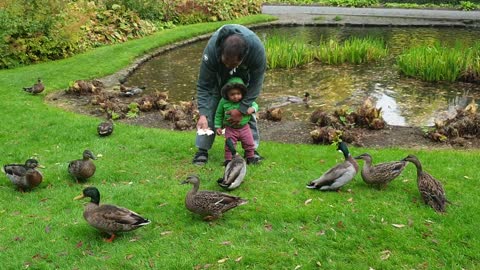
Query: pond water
x=404 y=101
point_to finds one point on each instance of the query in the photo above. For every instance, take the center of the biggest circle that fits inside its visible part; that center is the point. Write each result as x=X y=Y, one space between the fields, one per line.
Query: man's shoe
x=257 y=156
x=200 y=158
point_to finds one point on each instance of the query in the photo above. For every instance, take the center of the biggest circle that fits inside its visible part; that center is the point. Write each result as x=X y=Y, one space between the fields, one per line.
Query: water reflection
x=404 y=101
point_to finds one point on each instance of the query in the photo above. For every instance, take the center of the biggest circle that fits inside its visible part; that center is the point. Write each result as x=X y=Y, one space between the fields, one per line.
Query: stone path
x=317 y=15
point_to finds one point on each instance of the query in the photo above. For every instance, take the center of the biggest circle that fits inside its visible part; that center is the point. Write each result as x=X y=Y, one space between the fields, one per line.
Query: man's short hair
x=234 y=46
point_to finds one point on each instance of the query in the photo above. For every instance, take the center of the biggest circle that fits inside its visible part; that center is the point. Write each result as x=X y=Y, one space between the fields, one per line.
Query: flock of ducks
x=380 y=175
x=211 y=205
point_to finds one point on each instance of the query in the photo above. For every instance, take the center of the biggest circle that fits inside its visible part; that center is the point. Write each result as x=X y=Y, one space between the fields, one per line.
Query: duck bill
x=79 y=197
x=183 y=182
x=357 y=157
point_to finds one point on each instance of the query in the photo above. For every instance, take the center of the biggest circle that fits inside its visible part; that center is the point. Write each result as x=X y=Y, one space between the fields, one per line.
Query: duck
x=380 y=174
x=235 y=169
x=339 y=175
x=105 y=128
x=209 y=204
x=37 y=88
x=82 y=169
x=109 y=218
x=431 y=189
x=24 y=176
x=129 y=92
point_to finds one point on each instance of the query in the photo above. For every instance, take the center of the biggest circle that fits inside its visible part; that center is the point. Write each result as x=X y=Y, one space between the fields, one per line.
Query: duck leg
x=109 y=240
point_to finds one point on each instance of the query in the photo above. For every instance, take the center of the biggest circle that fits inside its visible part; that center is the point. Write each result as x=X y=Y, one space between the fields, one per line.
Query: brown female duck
x=24 y=176
x=109 y=218
x=82 y=169
x=339 y=175
x=431 y=189
x=380 y=174
x=105 y=128
x=37 y=88
x=209 y=204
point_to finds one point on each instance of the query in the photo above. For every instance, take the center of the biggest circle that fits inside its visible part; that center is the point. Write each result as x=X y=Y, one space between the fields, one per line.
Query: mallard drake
x=380 y=174
x=431 y=189
x=235 y=170
x=109 y=218
x=209 y=204
x=24 y=176
x=82 y=169
x=105 y=128
x=338 y=176
x=133 y=91
x=37 y=88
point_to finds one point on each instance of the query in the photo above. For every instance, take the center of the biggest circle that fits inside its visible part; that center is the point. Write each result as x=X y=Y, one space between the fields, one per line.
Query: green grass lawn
x=284 y=225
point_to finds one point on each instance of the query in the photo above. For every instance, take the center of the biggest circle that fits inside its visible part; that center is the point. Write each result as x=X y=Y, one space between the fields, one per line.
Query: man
x=232 y=51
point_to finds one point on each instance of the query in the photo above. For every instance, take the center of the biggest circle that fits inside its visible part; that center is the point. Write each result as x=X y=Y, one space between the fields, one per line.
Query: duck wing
x=432 y=192
x=234 y=173
x=335 y=177
x=112 y=218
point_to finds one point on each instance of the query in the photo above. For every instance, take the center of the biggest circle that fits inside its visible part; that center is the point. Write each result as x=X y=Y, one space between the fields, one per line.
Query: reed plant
x=440 y=63
x=288 y=53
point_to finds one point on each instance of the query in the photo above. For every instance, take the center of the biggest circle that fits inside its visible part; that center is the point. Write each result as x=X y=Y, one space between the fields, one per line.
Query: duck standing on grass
x=235 y=169
x=380 y=174
x=209 y=204
x=431 y=189
x=24 y=176
x=82 y=169
x=339 y=175
x=109 y=218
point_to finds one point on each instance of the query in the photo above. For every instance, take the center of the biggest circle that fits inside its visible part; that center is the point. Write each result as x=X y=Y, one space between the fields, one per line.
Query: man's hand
x=202 y=122
x=235 y=117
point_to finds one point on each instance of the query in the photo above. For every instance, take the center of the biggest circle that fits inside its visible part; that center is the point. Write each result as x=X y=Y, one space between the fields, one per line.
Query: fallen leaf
x=163 y=204
x=308 y=201
x=322 y=232
x=319 y=264
x=239 y=259
x=129 y=256
x=223 y=260
x=398 y=225
x=47 y=229
x=268 y=227
x=297 y=267
x=79 y=244
x=350 y=200
x=340 y=225
x=134 y=239
x=466 y=177
x=99 y=155
x=226 y=243
x=385 y=254
x=166 y=233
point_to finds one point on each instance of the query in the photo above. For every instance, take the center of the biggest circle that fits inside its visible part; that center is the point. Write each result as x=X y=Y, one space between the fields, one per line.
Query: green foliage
x=133 y=110
x=467 y=5
x=283 y=52
x=441 y=63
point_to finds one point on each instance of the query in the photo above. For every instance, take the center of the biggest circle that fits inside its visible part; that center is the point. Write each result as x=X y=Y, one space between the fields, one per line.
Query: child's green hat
x=234 y=82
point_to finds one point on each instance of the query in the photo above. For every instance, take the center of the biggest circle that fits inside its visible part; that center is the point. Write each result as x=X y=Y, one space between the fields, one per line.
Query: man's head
x=233 y=49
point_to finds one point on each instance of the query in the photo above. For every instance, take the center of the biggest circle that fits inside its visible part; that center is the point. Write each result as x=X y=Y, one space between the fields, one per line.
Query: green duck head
x=90 y=192
x=31 y=163
x=230 y=146
x=342 y=147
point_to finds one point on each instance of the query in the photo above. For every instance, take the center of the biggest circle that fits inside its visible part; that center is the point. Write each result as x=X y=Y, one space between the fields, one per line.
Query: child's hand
x=219 y=131
x=250 y=110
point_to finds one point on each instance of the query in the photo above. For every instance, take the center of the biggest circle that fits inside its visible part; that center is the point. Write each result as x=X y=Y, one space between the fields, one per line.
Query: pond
x=404 y=101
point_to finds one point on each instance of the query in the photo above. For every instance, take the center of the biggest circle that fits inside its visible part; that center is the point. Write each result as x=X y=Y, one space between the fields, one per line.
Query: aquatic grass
x=353 y=50
x=440 y=63
x=284 y=225
x=283 y=52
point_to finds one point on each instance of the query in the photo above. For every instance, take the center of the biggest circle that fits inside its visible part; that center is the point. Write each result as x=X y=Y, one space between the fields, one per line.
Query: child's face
x=234 y=95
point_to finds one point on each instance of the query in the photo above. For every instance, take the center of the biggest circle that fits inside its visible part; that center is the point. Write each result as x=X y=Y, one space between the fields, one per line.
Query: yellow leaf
x=223 y=260
x=308 y=201
x=239 y=259
x=398 y=225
